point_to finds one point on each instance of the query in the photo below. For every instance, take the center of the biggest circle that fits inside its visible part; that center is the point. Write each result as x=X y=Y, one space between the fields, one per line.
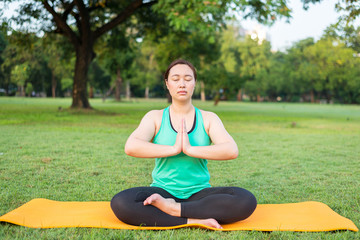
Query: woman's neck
x=181 y=108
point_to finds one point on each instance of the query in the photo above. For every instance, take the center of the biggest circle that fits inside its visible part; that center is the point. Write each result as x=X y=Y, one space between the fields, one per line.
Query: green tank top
x=181 y=175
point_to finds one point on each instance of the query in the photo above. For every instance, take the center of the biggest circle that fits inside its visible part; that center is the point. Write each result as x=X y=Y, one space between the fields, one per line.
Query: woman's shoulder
x=207 y=115
x=154 y=114
x=156 y=117
x=209 y=118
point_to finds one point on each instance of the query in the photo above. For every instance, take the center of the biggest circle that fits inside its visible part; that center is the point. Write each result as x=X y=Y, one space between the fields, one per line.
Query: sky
x=303 y=24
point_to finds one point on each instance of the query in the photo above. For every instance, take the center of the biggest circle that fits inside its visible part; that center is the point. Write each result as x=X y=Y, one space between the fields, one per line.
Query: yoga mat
x=303 y=216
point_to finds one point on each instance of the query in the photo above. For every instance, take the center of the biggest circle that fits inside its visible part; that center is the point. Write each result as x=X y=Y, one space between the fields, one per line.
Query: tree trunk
x=147 y=92
x=91 y=92
x=258 y=98
x=202 y=91
x=108 y=92
x=128 y=93
x=84 y=56
x=118 y=85
x=328 y=97
x=217 y=99
x=312 y=96
x=239 y=95
x=53 y=84
x=150 y=68
x=22 y=91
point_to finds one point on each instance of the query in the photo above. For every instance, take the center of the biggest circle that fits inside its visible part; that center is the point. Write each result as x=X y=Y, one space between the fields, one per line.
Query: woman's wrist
x=175 y=150
x=189 y=151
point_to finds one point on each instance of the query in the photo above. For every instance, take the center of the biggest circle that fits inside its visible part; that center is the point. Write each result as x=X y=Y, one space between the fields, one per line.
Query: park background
x=66 y=113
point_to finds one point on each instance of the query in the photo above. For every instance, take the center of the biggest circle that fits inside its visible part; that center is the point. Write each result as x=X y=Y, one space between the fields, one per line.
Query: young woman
x=180 y=138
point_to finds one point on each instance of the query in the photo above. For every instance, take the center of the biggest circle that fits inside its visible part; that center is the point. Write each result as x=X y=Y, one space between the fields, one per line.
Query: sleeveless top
x=181 y=175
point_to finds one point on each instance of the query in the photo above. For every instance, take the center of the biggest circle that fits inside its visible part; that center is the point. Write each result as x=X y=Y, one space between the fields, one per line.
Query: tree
x=24 y=51
x=57 y=58
x=346 y=33
x=231 y=39
x=83 y=22
x=296 y=82
x=146 y=72
x=350 y=9
x=255 y=59
x=98 y=78
x=3 y=44
x=336 y=67
x=19 y=75
x=277 y=83
x=117 y=57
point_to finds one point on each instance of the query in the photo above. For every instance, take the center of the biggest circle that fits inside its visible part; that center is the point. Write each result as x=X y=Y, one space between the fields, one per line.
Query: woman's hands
x=223 y=145
x=182 y=143
x=178 y=143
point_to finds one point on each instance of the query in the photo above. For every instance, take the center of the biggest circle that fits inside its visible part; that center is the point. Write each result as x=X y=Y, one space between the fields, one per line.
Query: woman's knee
x=125 y=204
x=119 y=205
x=245 y=203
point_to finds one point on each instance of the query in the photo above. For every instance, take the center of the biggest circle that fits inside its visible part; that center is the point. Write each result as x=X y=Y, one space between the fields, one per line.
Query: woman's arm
x=139 y=142
x=223 y=148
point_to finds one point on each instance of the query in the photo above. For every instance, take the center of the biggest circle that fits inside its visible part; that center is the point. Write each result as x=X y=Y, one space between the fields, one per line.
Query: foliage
x=58 y=60
x=3 y=44
x=137 y=51
x=346 y=33
x=99 y=78
x=84 y=22
x=145 y=72
x=20 y=74
x=255 y=65
x=116 y=55
x=350 y=10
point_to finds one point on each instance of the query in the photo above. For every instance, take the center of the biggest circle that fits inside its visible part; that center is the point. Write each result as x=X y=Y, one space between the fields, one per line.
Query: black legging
x=225 y=204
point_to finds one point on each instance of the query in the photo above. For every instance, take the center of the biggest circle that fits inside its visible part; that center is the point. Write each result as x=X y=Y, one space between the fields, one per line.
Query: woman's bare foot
x=167 y=205
x=210 y=222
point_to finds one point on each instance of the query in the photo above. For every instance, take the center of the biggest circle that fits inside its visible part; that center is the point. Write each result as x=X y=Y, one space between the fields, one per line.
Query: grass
x=288 y=153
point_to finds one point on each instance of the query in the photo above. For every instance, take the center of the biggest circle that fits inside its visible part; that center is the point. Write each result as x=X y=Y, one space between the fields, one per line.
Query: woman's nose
x=182 y=82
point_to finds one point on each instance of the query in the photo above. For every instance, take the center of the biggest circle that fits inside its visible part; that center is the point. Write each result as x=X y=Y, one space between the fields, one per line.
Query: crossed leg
x=153 y=206
x=173 y=208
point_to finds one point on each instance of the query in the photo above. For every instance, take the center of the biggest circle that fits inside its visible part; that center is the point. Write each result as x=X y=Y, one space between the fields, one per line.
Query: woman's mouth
x=182 y=92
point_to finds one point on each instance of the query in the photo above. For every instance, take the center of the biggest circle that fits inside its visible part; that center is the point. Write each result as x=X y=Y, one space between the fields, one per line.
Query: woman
x=180 y=192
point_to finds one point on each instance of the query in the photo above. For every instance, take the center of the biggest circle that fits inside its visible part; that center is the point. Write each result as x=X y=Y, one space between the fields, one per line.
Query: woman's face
x=181 y=82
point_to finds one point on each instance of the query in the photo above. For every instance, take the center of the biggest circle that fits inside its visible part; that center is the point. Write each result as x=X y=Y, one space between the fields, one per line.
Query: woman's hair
x=176 y=62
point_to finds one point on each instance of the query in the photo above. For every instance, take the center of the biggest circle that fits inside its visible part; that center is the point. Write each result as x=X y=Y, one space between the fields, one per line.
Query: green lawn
x=288 y=153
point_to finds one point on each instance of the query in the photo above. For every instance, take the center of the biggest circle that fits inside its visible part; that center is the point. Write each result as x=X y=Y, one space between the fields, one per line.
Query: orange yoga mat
x=304 y=216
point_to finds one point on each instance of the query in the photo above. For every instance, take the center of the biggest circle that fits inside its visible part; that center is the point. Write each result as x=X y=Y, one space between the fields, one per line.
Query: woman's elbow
x=128 y=149
x=233 y=154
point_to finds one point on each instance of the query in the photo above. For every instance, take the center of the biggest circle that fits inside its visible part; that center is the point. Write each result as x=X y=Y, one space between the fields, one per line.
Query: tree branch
x=84 y=26
x=61 y=23
x=90 y=9
x=68 y=10
x=127 y=12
